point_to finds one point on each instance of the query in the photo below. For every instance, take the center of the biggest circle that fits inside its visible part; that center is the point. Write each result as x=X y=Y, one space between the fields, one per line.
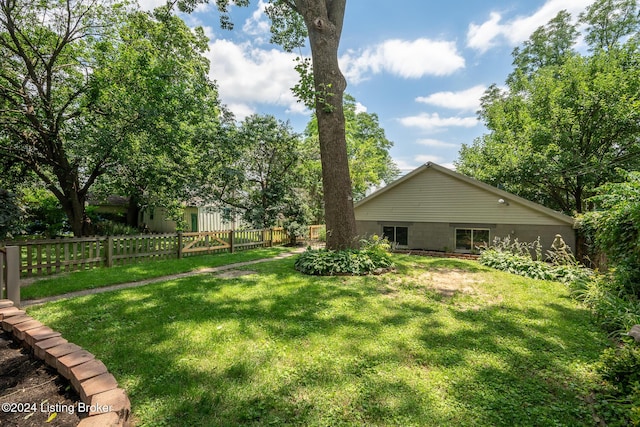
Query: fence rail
x=43 y=257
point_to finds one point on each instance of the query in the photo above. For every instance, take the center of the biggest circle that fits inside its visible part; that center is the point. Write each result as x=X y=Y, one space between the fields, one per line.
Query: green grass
x=103 y=276
x=439 y=342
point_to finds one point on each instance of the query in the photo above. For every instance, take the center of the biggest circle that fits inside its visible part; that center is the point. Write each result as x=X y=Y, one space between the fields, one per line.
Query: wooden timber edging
x=437 y=254
x=103 y=402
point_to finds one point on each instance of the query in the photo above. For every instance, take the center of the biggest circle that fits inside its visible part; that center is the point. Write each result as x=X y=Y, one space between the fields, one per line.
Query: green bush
x=619 y=400
x=614 y=312
x=372 y=258
x=43 y=214
x=621 y=366
x=10 y=214
x=616 y=226
x=524 y=259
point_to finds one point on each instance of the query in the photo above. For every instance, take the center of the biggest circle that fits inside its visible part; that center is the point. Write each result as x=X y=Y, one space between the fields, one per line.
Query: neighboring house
x=435 y=208
x=197 y=218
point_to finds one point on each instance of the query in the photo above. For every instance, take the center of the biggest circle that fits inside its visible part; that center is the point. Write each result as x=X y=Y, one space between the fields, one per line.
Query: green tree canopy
x=165 y=109
x=262 y=183
x=93 y=90
x=321 y=21
x=565 y=121
x=48 y=96
x=370 y=163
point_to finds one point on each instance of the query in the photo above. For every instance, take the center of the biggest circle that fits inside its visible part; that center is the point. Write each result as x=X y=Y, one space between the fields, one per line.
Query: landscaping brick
x=20 y=329
x=10 y=311
x=41 y=346
x=65 y=363
x=110 y=419
x=54 y=353
x=8 y=322
x=32 y=336
x=86 y=371
x=108 y=405
x=115 y=399
x=95 y=385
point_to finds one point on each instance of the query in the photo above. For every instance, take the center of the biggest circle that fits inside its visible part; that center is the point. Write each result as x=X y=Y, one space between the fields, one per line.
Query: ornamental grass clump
x=372 y=258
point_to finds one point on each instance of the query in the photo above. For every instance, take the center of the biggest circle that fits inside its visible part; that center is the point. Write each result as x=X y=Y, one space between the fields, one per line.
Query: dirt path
x=28 y=303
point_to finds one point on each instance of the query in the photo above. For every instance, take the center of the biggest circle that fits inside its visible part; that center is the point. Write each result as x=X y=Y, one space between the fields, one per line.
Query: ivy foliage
x=616 y=225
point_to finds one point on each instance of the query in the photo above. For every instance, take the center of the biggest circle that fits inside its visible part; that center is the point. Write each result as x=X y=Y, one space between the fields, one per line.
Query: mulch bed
x=31 y=392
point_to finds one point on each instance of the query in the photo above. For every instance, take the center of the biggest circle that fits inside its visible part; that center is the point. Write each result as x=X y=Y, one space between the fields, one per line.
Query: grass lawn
x=440 y=342
x=103 y=276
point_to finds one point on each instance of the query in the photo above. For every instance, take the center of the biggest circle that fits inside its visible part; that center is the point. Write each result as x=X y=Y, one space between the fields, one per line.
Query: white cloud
x=482 y=36
x=406 y=165
x=151 y=4
x=247 y=76
x=406 y=59
x=494 y=31
x=436 y=143
x=464 y=100
x=360 y=108
x=433 y=122
x=258 y=23
x=424 y=158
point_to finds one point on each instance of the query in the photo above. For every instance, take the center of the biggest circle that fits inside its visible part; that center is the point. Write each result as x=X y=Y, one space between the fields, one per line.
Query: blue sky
x=421 y=66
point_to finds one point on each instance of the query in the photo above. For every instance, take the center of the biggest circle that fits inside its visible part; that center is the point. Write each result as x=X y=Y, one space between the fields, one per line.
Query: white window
x=468 y=239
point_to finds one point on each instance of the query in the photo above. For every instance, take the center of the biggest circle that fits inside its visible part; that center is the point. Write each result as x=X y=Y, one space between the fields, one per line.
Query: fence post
x=109 y=252
x=179 y=244
x=13 y=274
x=231 y=237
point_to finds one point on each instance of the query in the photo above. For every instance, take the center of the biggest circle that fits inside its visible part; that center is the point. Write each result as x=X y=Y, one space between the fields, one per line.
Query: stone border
x=107 y=404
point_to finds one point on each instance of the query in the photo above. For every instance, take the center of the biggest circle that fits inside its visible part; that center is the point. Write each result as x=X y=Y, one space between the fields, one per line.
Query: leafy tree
x=164 y=108
x=92 y=88
x=368 y=149
x=564 y=123
x=48 y=96
x=10 y=214
x=261 y=183
x=610 y=21
x=321 y=21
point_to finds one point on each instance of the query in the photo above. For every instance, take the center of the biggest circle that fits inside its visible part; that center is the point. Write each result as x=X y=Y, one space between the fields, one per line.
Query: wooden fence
x=9 y=274
x=44 y=257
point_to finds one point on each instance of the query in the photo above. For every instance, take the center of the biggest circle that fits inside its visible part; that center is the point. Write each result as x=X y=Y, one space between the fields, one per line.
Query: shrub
x=619 y=400
x=524 y=259
x=372 y=258
x=10 y=213
x=617 y=230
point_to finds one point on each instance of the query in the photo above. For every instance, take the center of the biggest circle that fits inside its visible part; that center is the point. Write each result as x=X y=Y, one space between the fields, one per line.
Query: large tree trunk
x=324 y=24
x=73 y=206
x=133 y=211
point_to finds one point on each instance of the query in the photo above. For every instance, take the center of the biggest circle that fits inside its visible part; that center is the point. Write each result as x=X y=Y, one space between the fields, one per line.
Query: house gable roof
x=501 y=194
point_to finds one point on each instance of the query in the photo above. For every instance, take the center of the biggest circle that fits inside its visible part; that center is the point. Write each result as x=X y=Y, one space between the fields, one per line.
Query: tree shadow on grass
x=520 y=370
x=277 y=349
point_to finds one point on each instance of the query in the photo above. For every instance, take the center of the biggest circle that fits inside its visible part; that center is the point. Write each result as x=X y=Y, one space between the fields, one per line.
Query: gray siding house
x=435 y=208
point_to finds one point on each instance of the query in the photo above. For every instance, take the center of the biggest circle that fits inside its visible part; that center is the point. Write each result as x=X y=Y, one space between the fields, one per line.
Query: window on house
x=399 y=235
x=468 y=239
